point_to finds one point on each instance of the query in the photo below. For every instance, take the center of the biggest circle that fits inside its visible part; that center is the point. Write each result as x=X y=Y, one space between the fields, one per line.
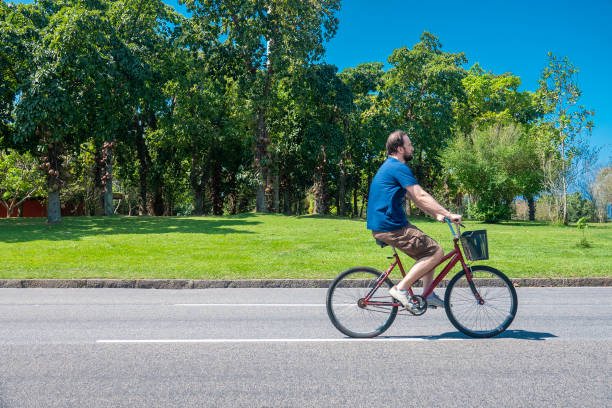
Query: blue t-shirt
x=385 y=210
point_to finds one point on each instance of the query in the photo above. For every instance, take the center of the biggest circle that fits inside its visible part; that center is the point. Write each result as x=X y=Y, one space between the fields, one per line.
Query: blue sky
x=502 y=36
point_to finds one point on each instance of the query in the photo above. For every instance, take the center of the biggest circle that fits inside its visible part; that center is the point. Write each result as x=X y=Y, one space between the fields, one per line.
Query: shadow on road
x=508 y=334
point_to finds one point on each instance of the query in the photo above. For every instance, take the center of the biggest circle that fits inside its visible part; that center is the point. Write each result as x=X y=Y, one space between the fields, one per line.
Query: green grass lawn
x=251 y=246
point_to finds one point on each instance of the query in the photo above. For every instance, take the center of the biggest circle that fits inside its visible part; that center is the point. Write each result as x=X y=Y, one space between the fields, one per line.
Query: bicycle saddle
x=382 y=244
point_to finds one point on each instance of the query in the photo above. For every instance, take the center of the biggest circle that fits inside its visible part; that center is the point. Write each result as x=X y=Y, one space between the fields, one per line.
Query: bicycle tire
x=351 y=319
x=481 y=320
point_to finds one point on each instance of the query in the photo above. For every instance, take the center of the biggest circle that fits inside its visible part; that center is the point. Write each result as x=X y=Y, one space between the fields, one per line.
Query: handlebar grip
x=449 y=221
x=450 y=226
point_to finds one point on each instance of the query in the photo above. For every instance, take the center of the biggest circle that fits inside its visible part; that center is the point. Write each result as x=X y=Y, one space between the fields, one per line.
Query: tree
x=323 y=101
x=20 y=179
x=489 y=164
x=209 y=117
x=564 y=124
x=579 y=207
x=602 y=192
x=366 y=128
x=13 y=56
x=68 y=94
x=267 y=37
x=149 y=30
x=491 y=99
x=423 y=85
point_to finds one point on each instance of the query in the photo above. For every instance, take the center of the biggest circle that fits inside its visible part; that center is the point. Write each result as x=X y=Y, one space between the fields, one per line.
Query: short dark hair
x=395 y=140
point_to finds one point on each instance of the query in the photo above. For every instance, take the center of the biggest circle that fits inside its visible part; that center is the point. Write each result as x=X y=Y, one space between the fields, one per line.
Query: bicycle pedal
x=432 y=307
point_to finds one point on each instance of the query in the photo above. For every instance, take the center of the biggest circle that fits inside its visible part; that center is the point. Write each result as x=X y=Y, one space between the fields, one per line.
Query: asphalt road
x=277 y=348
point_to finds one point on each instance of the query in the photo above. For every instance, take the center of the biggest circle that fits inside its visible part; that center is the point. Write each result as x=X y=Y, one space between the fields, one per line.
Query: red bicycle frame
x=455 y=256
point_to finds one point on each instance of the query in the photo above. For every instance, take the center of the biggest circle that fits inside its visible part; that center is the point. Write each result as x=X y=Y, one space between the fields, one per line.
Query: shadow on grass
x=571 y=225
x=326 y=217
x=508 y=334
x=518 y=223
x=75 y=228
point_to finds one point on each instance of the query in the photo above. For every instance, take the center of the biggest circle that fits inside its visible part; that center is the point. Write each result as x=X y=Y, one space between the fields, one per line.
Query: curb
x=257 y=283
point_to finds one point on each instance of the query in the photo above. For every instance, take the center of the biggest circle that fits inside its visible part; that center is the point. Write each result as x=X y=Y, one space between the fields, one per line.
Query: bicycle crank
x=420 y=303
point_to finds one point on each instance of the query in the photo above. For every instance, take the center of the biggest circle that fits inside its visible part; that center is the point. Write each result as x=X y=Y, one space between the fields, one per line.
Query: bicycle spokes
x=483 y=305
x=358 y=306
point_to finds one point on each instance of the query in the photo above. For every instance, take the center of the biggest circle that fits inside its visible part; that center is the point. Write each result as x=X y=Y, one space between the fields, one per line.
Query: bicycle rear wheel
x=351 y=316
x=481 y=319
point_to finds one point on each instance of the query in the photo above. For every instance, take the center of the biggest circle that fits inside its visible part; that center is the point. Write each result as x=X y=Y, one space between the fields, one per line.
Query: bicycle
x=480 y=301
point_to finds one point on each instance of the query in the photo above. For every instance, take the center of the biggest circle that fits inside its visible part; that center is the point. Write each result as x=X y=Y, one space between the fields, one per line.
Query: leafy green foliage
x=20 y=179
x=564 y=124
x=490 y=164
x=422 y=87
x=322 y=102
x=579 y=207
x=582 y=226
x=491 y=99
x=229 y=109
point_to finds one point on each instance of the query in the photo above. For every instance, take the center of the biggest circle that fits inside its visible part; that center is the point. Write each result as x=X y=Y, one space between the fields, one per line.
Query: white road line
x=255 y=304
x=400 y=339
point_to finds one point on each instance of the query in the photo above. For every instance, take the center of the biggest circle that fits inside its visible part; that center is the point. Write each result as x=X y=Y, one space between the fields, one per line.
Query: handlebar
x=451 y=228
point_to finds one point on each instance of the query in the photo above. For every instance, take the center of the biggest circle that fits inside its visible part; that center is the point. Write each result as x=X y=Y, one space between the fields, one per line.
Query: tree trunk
x=341 y=188
x=98 y=187
x=469 y=204
x=283 y=192
x=13 y=204
x=532 y=209
x=286 y=202
x=8 y=208
x=262 y=155
x=564 y=198
x=198 y=201
x=269 y=193
x=564 y=181
x=109 y=209
x=54 y=183
x=215 y=188
x=156 y=199
x=54 y=213
x=365 y=198
x=144 y=159
x=261 y=150
x=319 y=188
x=232 y=196
x=354 y=214
x=365 y=195
x=232 y=203
x=276 y=193
x=197 y=178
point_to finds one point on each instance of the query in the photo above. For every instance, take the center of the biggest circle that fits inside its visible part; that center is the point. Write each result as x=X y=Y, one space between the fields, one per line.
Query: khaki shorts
x=410 y=240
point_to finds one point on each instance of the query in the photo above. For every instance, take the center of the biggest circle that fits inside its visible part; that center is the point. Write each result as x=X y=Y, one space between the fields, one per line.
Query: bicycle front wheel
x=488 y=315
x=346 y=309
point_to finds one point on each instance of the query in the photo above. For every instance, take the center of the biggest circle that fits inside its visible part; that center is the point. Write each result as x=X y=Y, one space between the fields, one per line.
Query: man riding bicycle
x=386 y=218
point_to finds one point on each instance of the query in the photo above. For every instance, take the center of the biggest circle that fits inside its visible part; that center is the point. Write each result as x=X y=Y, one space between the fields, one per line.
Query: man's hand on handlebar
x=455 y=218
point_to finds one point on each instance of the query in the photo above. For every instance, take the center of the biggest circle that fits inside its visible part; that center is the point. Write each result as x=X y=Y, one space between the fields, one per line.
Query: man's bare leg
x=423 y=268
x=427 y=279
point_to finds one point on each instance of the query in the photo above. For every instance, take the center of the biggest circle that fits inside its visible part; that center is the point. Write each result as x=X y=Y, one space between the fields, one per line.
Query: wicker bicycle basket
x=475 y=245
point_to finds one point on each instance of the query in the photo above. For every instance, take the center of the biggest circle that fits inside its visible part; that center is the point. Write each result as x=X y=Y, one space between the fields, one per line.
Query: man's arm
x=427 y=203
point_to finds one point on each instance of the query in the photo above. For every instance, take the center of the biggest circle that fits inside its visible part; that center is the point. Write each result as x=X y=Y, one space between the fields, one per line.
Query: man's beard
x=407 y=157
